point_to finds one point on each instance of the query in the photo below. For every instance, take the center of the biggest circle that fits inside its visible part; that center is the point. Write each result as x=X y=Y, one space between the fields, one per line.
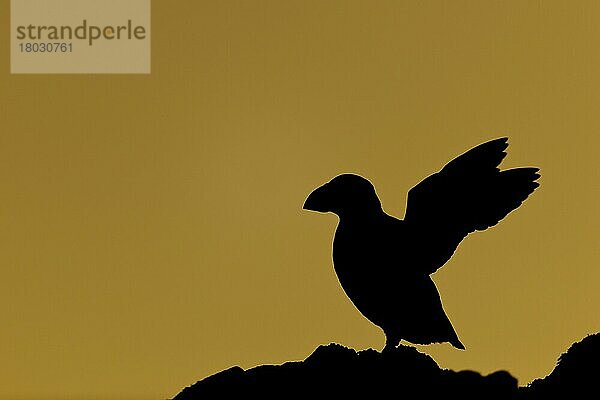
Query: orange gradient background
x=151 y=226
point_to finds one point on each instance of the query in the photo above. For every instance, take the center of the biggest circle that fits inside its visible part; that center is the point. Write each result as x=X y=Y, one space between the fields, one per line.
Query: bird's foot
x=388 y=349
x=390 y=346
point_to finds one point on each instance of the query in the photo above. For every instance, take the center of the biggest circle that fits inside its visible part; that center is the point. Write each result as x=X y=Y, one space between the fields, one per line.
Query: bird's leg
x=391 y=342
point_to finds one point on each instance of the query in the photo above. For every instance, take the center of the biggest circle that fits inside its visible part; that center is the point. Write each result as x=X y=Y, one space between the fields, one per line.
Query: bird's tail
x=457 y=343
x=451 y=336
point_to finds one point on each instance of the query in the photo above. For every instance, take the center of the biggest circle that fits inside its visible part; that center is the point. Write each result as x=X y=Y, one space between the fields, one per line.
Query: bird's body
x=384 y=263
x=370 y=259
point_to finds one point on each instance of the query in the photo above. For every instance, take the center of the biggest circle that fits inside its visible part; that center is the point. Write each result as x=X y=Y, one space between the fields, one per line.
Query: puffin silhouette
x=384 y=263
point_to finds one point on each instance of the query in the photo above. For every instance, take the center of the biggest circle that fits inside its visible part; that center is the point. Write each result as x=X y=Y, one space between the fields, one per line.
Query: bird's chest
x=359 y=255
x=350 y=249
x=366 y=263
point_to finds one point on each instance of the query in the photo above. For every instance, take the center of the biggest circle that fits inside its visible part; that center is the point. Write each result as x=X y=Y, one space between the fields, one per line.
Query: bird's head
x=344 y=195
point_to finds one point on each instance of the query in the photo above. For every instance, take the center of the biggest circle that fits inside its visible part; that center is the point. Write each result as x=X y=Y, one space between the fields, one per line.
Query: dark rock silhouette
x=403 y=372
x=340 y=372
x=384 y=263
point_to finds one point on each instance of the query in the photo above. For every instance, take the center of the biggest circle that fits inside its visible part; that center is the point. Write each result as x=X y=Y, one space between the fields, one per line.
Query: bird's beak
x=318 y=200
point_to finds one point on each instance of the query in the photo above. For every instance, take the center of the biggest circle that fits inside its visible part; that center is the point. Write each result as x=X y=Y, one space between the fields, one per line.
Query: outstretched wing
x=469 y=194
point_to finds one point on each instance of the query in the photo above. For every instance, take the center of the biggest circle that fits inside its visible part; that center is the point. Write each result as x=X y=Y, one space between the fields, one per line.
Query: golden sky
x=151 y=226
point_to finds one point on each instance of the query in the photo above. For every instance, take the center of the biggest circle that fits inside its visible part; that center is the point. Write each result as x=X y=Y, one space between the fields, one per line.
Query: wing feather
x=469 y=194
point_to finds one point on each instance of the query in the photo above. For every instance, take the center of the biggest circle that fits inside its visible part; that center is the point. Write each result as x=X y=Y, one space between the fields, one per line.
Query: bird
x=384 y=263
